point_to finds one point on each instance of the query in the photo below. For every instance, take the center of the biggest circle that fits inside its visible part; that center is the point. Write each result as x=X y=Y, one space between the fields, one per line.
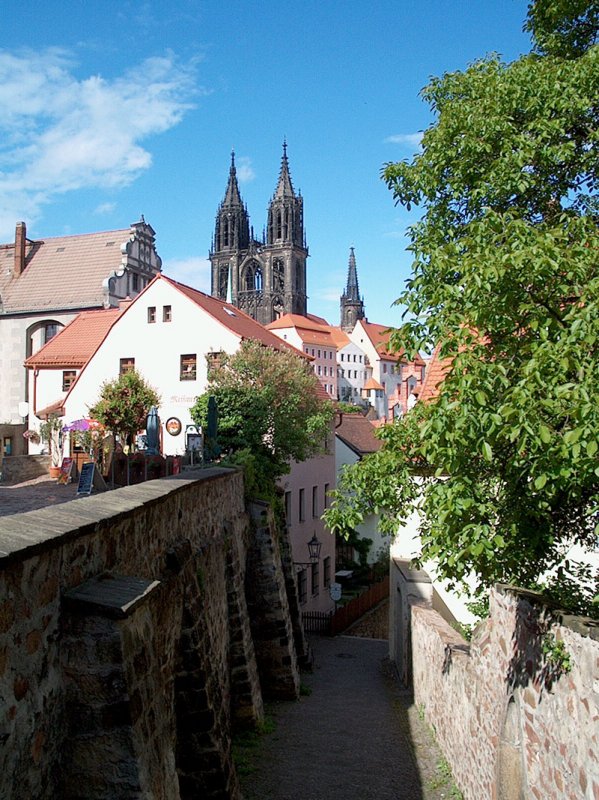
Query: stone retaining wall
x=126 y=648
x=511 y=725
x=16 y=469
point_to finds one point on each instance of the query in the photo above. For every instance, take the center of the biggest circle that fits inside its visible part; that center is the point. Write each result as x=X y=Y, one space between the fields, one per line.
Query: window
x=327 y=486
x=151 y=313
x=354 y=356
x=288 y=507
x=384 y=368
x=319 y=369
x=314 y=570
x=302 y=585
x=360 y=359
x=167 y=313
x=312 y=351
x=188 y=367
x=7 y=446
x=135 y=282
x=302 y=505
x=319 y=354
x=342 y=357
x=50 y=331
x=68 y=379
x=326 y=578
x=307 y=349
x=315 y=501
x=126 y=365
x=214 y=360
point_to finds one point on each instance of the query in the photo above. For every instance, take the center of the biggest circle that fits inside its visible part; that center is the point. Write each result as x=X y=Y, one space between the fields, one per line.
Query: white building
x=45 y=283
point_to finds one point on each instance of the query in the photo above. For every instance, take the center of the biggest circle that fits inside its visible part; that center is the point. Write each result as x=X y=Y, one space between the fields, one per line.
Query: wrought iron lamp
x=314 y=546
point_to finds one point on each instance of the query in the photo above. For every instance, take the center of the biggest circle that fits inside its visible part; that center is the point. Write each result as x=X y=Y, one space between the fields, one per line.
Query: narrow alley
x=354 y=735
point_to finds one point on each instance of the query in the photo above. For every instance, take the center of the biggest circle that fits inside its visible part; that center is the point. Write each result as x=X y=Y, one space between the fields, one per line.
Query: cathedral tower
x=352 y=306
x=266 y=279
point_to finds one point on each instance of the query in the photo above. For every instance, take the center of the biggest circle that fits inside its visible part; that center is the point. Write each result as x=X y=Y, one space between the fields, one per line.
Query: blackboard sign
x=86 y=478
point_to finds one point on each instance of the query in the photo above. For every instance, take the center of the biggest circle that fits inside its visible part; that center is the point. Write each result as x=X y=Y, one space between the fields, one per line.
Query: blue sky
x=114 y=109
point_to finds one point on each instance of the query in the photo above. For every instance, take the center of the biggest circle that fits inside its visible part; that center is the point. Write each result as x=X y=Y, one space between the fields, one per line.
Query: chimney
x=20 y=244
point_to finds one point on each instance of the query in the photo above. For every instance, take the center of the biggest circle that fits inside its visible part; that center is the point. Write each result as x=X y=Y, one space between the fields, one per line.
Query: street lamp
x=314 y=546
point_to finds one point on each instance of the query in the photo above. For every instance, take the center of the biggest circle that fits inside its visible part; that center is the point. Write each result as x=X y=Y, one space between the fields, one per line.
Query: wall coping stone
x=409 y=574
x=25 y=535
x=584 y=626
x=113 y=596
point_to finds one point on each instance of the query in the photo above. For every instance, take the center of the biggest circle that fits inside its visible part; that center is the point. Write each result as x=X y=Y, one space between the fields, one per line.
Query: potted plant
x=51 y=434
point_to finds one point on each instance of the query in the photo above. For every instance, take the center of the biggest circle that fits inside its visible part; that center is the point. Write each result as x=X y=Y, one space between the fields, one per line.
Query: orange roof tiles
x=372 y=384
x=436 y=370
x=61 y=272
x=309 y=331
x=77 y=342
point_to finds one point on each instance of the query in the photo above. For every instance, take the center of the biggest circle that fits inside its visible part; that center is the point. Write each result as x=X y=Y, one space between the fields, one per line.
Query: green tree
x=505 y=278
x=124 y=404
x=269 y=411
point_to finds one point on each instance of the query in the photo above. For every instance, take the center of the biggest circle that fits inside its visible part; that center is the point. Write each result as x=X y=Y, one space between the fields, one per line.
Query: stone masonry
x=512 y=724
x=127 y=650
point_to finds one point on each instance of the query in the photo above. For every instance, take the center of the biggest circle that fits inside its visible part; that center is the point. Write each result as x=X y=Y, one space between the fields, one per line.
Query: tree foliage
x=269 y=411
x=505 y=278
x=124 y=404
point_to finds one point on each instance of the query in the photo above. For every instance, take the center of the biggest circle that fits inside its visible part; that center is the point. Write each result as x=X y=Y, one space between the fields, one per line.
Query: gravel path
x=357 y=736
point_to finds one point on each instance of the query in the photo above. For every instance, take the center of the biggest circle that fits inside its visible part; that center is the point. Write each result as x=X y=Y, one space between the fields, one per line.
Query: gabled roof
x=309 y=332
x=357 y=432
x=61 y=272
x=229 y=315
x=77 y=342
x=340 y=337
x=436 y=371
x=372 y=384
x=379 y=338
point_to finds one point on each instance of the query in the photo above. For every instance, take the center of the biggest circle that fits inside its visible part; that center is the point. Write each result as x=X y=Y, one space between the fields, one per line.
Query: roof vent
x=109 y=244
x=60 y=249
x=229 y=312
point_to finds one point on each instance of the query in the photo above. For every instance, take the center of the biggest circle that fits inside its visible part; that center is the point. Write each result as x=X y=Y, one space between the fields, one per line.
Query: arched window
x=252 y=277
x=279 y=225
x=278 y=276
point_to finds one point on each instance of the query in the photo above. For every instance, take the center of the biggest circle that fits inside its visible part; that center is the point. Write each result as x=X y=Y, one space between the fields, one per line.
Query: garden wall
x=127 y=651
x=512 y=725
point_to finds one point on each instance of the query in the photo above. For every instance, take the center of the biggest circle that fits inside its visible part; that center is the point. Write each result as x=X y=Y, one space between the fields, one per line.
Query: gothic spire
x=352 y=291
x=352 y=306
x=232 y=196
x=284 y=186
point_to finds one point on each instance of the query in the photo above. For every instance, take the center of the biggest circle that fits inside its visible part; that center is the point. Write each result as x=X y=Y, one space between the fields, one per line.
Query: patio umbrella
x=79 y=425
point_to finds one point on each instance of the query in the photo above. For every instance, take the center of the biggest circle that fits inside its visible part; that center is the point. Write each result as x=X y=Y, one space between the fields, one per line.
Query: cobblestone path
x=357 y=736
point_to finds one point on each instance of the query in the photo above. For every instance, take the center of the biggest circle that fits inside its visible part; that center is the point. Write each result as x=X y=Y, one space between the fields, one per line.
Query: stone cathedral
x=267 y=278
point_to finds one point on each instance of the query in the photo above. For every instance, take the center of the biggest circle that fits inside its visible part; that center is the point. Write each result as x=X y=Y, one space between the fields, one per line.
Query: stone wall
x=16 y=469
x=511 y=725
x=127 y=653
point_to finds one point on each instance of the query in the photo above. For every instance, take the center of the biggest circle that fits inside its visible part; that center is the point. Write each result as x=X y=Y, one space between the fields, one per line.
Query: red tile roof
x=371 y=383
x=379 y=336
x=230 y=316
x=357 y=432
x=77 y=342
x=436 y=370
x=309 y=331
x=61 y=272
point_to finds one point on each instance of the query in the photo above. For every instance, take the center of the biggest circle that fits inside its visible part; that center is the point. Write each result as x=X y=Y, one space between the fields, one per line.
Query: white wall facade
x=156 y=348
x=351 y=371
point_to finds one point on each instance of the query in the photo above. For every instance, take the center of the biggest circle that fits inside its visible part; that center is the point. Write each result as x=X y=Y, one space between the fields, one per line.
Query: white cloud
x=193 y=271
x=409 y=139
x=245 y=171
x=59 y=133
x=105 y=208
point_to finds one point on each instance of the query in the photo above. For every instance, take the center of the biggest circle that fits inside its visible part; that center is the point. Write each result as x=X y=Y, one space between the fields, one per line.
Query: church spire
x=232 y=196
x=284 y=186
x=352 y=306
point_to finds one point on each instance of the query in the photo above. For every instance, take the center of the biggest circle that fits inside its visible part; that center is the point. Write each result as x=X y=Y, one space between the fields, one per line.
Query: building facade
x=266 y=278
x=45 y=284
